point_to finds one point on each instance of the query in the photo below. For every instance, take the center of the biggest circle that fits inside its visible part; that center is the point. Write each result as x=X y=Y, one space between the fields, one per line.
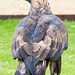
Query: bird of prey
x=39 y=39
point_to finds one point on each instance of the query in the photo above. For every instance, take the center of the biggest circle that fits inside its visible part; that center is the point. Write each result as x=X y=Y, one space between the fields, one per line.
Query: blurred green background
x=8 y=65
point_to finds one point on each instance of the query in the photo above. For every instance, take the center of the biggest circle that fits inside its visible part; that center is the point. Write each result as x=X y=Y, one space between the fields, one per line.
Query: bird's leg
x=55 y=66
x=52 y=67
x=58 y=66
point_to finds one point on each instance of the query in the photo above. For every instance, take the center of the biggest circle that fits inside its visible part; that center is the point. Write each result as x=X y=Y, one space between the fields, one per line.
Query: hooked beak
x=29 y=1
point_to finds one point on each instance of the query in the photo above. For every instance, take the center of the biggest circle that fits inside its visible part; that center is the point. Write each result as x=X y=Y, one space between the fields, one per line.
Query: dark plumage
x=38 y=39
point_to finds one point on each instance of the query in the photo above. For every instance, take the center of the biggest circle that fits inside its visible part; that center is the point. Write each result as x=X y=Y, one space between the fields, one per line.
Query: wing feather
x=46 y=39
x=54 y=40
x=21 y=36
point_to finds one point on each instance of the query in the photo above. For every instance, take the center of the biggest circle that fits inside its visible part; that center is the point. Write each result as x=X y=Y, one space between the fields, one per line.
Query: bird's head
x=29 y=1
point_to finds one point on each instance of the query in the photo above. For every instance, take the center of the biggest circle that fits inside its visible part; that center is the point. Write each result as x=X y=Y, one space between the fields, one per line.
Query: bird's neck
x=40 y=7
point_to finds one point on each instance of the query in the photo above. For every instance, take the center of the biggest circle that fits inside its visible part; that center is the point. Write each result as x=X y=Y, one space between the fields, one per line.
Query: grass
x=8 y=65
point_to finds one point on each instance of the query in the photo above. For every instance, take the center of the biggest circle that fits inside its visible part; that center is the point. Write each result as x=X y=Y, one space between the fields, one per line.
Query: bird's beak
x=29 y=1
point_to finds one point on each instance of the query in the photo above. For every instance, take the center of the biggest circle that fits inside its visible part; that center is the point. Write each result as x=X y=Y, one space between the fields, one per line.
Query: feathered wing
x=50 y=38
x=28 y=24
x=47 y=39
x=15 y=42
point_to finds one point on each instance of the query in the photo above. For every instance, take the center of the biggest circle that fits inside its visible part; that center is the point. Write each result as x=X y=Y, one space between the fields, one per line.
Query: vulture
x=39 y=40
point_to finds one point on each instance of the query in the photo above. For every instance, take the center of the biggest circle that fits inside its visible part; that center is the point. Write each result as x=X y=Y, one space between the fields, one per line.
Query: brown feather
x=41 y=35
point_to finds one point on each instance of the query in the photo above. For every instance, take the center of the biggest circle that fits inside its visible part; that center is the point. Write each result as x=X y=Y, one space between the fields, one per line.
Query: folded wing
x=22 y=35
x=51 y=37
x=45 y=39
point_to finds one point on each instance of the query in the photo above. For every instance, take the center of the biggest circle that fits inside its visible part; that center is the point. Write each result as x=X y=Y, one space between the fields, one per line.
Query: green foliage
x=8 y=65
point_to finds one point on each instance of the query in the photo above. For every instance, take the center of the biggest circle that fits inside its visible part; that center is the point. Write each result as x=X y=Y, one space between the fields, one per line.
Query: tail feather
x=31 y=66
x=22 y=69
